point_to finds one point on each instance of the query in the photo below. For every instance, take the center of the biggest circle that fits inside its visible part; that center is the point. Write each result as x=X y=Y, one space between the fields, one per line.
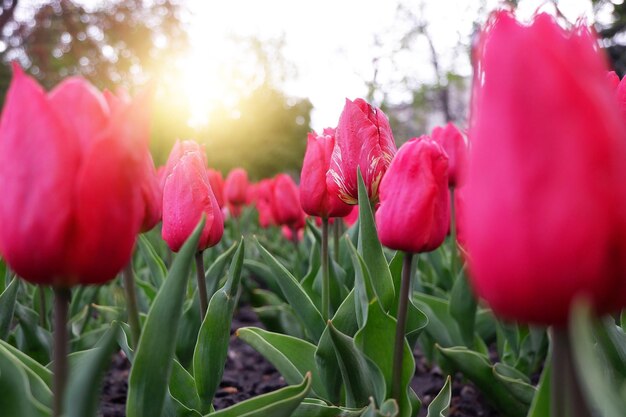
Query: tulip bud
x=363 y=141
x=286 y=202
x=217 y=185
x=352 y=217
x=152 y=195
x=264 y=203
x=414 y=212
x=187 y=195
x=545 y=205
x=315 y=197
x=236 y=187
x=71 y=203
x=453 y=143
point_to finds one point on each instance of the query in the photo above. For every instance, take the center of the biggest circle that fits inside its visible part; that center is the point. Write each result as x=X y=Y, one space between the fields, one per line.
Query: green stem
x=455 y=252
x=398 y=350
x=131 y=303
x=202 y=292
x=337 y=235
x=61 y=306
x=566 y=394
x=42 y=306
x=325 y=272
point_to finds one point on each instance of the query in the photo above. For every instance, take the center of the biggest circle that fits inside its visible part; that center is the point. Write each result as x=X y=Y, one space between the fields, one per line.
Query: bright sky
x=332 y=43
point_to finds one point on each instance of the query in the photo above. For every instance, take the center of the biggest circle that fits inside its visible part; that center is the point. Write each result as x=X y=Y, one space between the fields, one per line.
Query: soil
x=248 y=374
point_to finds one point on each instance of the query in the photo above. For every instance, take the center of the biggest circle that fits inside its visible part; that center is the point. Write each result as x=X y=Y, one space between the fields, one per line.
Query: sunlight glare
x=206 y=84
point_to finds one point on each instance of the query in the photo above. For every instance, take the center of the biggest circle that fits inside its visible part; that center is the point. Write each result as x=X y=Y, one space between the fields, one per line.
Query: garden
x=473 y=268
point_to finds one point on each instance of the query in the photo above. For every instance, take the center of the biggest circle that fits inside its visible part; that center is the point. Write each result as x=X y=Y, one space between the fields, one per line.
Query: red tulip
x=414 y=213
x=236 y=187
x=363 y=140
x=286 y=202
x=315 y=197
x=217 y=185
x=288 y=233
x=187 y=195
x=265 y=192
x=545 y=208
x=152 y=194
x=70 y=169
x=151 y=186
x=620 y=90
x=453 y=142
x=352 y=217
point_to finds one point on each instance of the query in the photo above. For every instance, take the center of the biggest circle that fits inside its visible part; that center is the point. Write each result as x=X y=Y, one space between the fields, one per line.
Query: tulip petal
x=39 y=158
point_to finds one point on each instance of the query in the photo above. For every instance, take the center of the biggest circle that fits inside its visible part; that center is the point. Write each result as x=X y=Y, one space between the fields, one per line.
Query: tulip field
x=492 y=254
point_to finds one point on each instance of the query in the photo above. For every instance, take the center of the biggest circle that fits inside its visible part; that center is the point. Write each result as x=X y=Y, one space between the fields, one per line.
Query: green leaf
x=387 y=409
x=85 y=377
x=157 y=268
x=7 y=307
x=441 y=403
x=147 y=387
x=292 y=357
x=599 y=390
x=296 y=296
x=345 y=321
x=17 y=398
x=371 y=250
x=38 y=387
x=375 y=340
x=516 y=382
x=476 y=367
x=364 y=292
x=280 y=403
x=183 y=387
x=216 y=271
x=32 y=339
x=361 y=376
x=441 y=326
x=540 y=407
x=41 y=371
x=311 y=407
x=463 y=307
x=212 y=345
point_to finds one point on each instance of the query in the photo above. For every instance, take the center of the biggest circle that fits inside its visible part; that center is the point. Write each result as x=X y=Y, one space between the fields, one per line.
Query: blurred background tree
x=126 y=44
x=611 y=27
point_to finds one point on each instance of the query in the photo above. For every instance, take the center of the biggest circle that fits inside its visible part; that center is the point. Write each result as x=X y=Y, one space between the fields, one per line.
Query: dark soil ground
x=248 y=374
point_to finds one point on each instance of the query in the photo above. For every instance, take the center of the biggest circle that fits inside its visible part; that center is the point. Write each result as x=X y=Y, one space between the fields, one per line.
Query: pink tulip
x=315 y=197
x=414 y=213
x=187 y=195
x=545 y=205
x=363 y=140
x=71 y=169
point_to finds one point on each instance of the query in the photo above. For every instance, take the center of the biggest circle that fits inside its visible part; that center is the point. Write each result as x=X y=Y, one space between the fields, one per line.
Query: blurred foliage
x=267 y=131
x=262 y=130
x=129 y=43
x=613 y=32
x=117 y=44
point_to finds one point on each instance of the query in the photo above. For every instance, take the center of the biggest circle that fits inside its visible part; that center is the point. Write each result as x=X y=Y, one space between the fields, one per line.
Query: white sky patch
x=332 y=43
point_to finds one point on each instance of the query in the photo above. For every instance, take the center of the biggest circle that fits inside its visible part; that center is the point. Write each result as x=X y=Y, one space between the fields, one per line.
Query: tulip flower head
x=187 y=195
x=363 y=141
x=236 y=187
x=217 y=185
x=452 y=141
x=71 y=169
x=545 y=206
x=265 y=196
x=414 y=212
x=315 y=197
x=286 y=202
